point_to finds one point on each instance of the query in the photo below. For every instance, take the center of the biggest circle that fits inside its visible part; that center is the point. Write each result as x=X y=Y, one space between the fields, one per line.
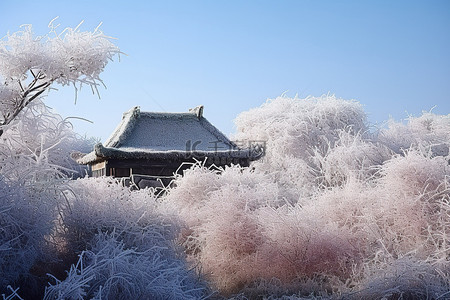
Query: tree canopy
x=30 y=64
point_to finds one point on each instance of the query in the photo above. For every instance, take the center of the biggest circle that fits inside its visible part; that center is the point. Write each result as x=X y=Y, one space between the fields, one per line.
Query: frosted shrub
x=18 y=239
x=110 y=270
x=295 y=127
x=416 y=173
x=243 y=236
x=405 y=278
x=34 y=158
x=352 y=156
x=26 y=220
x=428 y=130
x=131 y=254
x=416 y=187
x=386 y=226
x=115 y=230
x=243 y=231
x=225 y=228
x=103 y=204
x=230 y=232
x=295 y=131
x=38 y=145
x=34 y=166
x=301 y=243
x=330 y=211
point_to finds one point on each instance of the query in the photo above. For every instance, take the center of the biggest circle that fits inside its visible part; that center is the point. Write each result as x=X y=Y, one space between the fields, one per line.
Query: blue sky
x=230 y=56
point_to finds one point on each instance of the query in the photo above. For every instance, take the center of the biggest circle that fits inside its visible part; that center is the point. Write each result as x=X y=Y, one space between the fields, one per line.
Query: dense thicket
x=66 y=239
x=335 y=209
x=80 y=239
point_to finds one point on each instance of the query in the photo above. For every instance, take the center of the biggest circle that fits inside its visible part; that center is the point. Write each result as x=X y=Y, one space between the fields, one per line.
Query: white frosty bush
x=37 y=147
x=330 y=211
x=429 y=130
x=295 y=127
x=405 y=278
x=125 y=241
x=34 y=160
x=297 y=131
x=27 y=218
x=351 y=157
x=240 y=234
x=243 y=231
x=34 y=167
x=20 y=235
x=103 y=204
x=110 y=270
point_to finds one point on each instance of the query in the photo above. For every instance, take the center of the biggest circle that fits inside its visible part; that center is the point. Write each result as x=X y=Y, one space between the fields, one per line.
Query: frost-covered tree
x=30 y=64
x=35 y=143
x=97 y=239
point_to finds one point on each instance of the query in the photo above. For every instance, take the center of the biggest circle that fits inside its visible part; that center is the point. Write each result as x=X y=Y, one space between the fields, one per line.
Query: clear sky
x=230 y=56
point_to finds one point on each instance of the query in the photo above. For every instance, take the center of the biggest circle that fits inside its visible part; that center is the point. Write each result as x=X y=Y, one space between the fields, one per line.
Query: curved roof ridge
x=125 y=126
x=166 y=114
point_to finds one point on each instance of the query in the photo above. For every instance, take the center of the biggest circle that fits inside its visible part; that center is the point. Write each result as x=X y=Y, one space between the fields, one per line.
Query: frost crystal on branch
x=30 y=64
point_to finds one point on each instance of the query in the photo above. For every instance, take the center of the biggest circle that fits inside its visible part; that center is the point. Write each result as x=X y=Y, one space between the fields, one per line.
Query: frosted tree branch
x=71 y=57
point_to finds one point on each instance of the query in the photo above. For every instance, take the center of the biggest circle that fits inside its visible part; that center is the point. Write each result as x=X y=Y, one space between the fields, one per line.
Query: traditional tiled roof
x=166 y=136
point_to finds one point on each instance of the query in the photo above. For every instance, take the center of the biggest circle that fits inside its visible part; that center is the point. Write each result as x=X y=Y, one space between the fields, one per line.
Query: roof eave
x=102 y=153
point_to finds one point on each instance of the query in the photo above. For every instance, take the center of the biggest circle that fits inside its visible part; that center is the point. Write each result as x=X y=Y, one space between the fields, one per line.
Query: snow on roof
x=167 y=131
x=154 y=135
